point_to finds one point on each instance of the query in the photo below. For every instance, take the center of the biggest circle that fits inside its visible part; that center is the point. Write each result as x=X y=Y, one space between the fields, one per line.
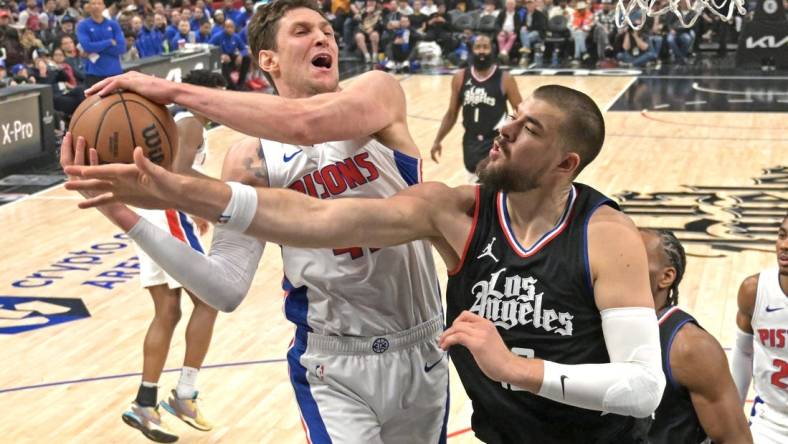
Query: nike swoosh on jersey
x=286 y=158
x=770 y=309
x=428 y=367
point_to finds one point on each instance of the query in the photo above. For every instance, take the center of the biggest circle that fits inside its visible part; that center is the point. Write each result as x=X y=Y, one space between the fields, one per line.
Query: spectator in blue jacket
x=234 y=54
x=197 y=17
x=244 y=14
x=171 y=26
x=184 y=36
x=218 y=22
x=103 y=41
x=203 y=35
x=150 y=41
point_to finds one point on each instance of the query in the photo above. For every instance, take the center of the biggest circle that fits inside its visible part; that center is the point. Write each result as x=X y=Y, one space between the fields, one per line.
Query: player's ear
x=268 y=60
x=569 y=163
x=666 y=278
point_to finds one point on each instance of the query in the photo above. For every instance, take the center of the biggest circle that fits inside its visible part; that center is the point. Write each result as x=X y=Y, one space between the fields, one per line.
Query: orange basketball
x=115 y=124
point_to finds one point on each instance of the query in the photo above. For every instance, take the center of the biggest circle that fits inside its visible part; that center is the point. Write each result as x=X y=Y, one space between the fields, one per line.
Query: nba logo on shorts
x=380 y=345
x=320 y=371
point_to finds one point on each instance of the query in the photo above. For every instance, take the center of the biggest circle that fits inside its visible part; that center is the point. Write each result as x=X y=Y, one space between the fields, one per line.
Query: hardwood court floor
x=53 y=250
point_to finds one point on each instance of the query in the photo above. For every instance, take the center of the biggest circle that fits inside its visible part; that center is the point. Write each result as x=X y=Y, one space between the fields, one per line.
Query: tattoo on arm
x=255 y=169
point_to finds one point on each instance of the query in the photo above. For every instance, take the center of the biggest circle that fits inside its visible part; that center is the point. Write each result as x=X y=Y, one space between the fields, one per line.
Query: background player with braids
x=700 y=399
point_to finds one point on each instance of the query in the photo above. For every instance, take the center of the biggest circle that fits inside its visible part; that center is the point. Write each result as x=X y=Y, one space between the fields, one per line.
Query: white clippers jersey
x=353 y=291
x=770 y=327
x=202 y=150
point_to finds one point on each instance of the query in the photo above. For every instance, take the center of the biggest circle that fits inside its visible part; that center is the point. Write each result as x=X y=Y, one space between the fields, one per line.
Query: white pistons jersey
x=770 y=344
x=202 y=150
x=353 y=291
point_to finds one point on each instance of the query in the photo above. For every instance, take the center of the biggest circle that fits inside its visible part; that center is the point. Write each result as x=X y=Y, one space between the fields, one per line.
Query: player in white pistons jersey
x=365 y=364
x=340 y=282
x=761 y=351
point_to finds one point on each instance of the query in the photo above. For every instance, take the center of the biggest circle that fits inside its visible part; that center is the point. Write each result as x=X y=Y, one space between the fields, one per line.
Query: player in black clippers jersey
x=481 y=90
x=700 y=399
x=553 y=330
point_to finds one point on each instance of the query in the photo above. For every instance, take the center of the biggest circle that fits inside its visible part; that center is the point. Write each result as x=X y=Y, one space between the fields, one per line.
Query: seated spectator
x=218 y=23
x=581 y=24
x=562 y=8
x=132 y=53
x=30 y=43
x=135 y=25
x=184 y=36
x=418 y=20
x=679 y=38
x=429 y=8
x=65 y=99
x=234 y=55
x=402 y=46
x=21 y=75
x=204 y=33
x=244 y=14
x=635 y=47
x=171 y=24
x=66 y=28
x=509 y=21
x=9 y=40
x=533 y=29
x=150 y=40
x=160 y=23
x=404 y=8
x=605 y=29
x=197 y=18
x=59 y=59
x=439 y=30
x=369 y=29
x=73 y=58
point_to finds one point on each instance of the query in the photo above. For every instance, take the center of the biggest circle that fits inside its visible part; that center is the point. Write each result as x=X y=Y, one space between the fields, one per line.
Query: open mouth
x=322 y=61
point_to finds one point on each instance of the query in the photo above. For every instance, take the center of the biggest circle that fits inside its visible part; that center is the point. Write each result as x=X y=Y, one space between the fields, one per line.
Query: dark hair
x=674 y=251
x=583 y=129
x=264 y=25
x=204 y=77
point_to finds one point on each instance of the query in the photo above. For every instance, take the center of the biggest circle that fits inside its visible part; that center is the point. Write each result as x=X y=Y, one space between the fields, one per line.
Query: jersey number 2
x=525 y=353
x=780 y=374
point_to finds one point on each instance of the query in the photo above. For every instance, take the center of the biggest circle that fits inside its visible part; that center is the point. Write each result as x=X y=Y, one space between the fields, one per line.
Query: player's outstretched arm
x=741 y=361
x=632 y=383
x=268 y=213
x=698 y=363
x=370 y=104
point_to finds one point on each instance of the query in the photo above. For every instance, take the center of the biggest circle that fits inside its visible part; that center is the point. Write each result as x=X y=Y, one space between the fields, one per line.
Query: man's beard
x=502 y=178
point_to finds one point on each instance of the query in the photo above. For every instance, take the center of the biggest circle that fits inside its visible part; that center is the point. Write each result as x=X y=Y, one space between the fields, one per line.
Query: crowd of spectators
x=65 y=44
x=527 y=32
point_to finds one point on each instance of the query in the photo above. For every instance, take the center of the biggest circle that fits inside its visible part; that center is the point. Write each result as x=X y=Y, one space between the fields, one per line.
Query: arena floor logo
x=707 y=218
x=20 y=314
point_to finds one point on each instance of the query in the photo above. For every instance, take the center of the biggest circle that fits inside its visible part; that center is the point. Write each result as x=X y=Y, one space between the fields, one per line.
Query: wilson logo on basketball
x=153 y=143
x=727 y=218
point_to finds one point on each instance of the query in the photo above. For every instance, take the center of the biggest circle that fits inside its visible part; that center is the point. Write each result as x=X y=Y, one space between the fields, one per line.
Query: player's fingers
x=96 y=88
x=66 y=153
x=89 y=185
x=467 y=316
x=93 y=157
x=146 y=166
x=79 y=151
x=97 y=201
x=110 y=171
x=456 y=338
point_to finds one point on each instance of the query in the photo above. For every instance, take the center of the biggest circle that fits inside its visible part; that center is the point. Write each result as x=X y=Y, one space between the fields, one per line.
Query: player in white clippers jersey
x=761 y=351
x=365 y=364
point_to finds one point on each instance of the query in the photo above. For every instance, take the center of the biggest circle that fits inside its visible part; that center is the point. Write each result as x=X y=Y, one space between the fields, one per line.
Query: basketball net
x=632 y=12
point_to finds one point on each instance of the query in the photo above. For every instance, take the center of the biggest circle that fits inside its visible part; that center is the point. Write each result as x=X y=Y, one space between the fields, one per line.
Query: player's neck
x=483 y=73
x=537 y=211
x=783 y=280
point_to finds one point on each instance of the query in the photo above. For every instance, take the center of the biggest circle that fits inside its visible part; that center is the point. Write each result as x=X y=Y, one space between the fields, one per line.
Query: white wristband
x=241 y=209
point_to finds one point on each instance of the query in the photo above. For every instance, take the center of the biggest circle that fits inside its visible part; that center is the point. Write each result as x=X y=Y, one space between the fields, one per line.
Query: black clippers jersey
x=542 y=301
x=675 y=421
x=483 y=107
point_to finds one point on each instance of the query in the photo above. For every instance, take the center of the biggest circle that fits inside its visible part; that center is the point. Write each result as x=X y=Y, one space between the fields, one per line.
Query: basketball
x=115 y=124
